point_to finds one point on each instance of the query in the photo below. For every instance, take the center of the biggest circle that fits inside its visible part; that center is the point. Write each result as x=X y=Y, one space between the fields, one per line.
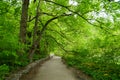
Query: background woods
x=85 y=33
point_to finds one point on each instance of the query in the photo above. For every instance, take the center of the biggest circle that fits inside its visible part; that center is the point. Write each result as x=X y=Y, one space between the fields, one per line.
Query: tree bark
x=35 y=43
x=23 y=22
x=36 y=23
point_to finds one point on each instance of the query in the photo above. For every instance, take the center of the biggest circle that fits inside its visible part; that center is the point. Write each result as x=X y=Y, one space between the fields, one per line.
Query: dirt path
x=54 y=69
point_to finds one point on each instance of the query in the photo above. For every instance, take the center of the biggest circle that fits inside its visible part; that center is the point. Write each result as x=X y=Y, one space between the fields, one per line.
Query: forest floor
x=53 y=69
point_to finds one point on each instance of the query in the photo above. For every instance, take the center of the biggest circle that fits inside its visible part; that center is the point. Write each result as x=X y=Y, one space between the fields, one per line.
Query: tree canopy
x=84 y=32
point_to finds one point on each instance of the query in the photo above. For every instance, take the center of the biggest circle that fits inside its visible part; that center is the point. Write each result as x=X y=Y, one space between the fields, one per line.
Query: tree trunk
x=34 y=47
x=35 y=43
x=36 y=25
x=23 y=22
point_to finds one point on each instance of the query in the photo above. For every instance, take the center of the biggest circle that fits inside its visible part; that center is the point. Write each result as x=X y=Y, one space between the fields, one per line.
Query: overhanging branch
x=45 y=26
x=61 y=34
x=59 y=44
x=50 y=20
x=75 y=12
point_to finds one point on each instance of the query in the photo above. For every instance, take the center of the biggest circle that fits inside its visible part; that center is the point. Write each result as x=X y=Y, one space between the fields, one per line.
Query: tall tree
x=23 y=22
x=35 y=30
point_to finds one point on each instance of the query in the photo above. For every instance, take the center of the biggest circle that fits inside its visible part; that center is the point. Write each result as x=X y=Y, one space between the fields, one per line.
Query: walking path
x=54 y=69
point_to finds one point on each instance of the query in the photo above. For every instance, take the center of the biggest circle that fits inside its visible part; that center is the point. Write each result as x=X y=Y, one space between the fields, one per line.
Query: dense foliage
x=85 y=33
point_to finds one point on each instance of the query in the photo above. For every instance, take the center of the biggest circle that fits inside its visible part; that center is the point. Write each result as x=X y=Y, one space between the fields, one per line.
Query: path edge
x=78 y=73
x=26 y=70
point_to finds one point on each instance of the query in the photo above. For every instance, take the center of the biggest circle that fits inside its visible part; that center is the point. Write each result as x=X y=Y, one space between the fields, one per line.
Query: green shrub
x=96 y=67
x=8 y=57
x=4 y=70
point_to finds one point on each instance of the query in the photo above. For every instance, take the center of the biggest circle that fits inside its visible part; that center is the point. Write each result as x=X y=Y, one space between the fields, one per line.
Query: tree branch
x=75 y=12
x=61 y=34
x=59 y=44
x=32 y=19
x=44 y=28
x=50 y=20
x=56 y=3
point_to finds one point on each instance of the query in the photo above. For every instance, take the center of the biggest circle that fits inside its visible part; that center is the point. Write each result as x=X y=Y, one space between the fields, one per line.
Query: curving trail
x=54 y=69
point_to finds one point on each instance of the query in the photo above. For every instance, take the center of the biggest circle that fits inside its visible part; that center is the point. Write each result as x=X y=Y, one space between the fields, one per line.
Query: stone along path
x=54 y=69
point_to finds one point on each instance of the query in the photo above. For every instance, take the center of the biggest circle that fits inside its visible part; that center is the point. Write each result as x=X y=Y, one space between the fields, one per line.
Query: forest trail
x=54 y=69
